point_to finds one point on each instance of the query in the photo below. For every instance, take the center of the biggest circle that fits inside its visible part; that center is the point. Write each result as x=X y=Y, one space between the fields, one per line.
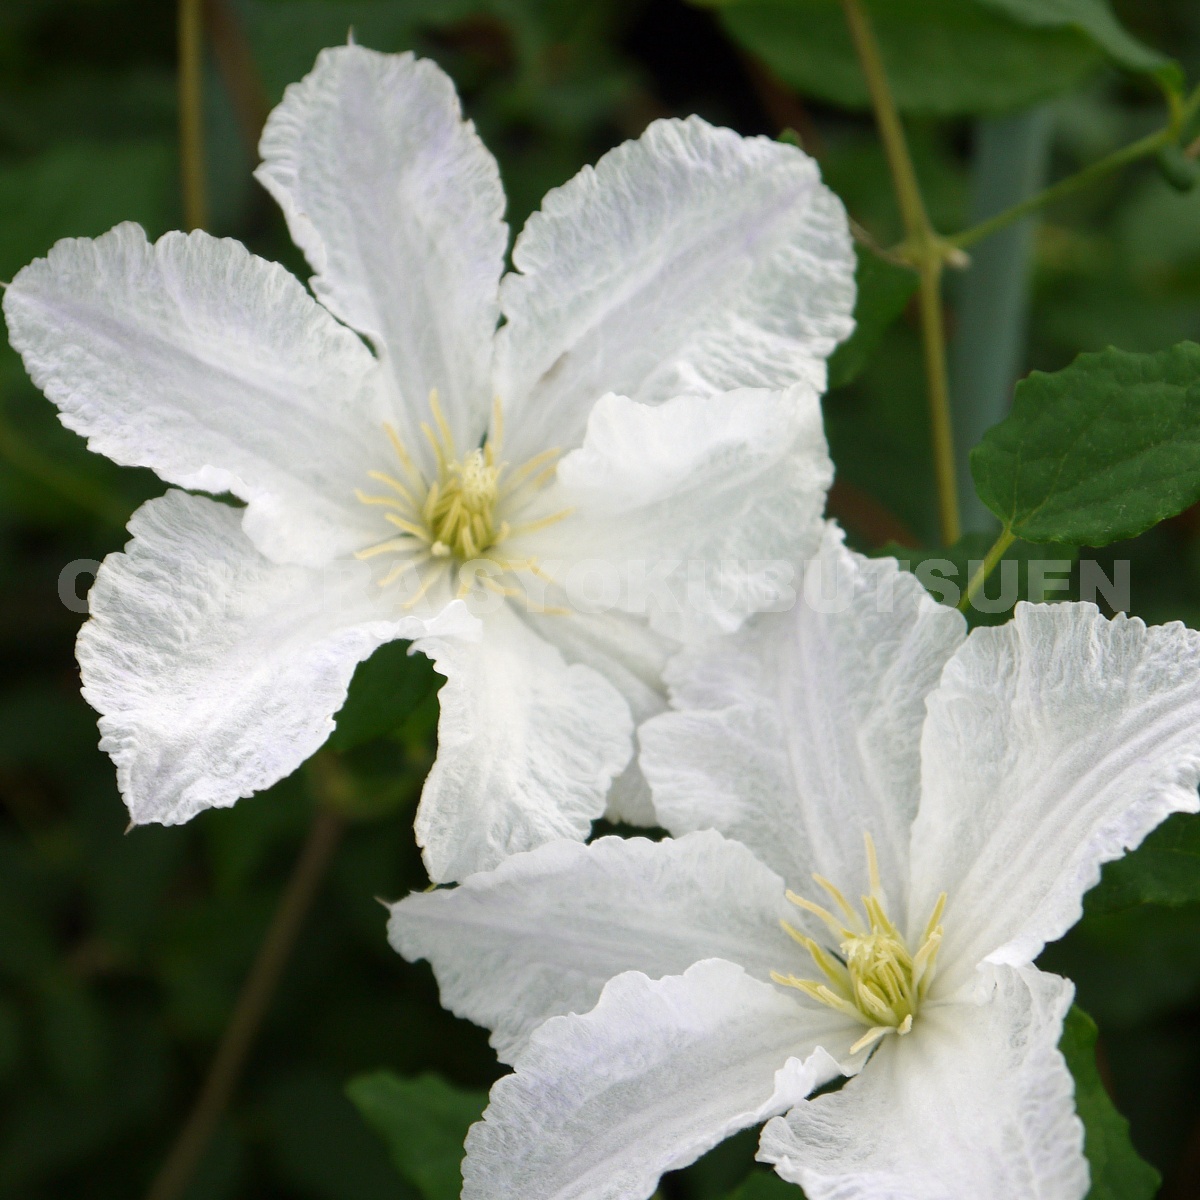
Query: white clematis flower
x=650 y=400
x=656 y=997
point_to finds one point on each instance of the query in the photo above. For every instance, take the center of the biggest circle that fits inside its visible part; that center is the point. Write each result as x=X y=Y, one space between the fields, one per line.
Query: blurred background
x=121 y=956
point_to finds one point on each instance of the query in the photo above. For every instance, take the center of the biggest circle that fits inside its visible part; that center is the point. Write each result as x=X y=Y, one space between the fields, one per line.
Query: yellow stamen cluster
x=458 y=510
x=874 y=979
x=456 y=517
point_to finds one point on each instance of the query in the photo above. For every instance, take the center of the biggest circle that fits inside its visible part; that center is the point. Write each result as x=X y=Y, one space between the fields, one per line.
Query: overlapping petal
x=1054 y=743
x=977 y=1101
x=668 y=515
x=600 y=1105
x=215 y=368
x=527 y=747
x=801 y=732
x=399 y=208
x=544 y=932
x=217 y=672
x=631 y=656
x=689 y=261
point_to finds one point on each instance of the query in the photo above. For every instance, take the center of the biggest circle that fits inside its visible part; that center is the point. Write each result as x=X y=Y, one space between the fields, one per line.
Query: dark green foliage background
x=120 y=956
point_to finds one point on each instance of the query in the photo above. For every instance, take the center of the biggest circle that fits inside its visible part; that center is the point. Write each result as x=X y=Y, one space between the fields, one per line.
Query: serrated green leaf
x=883 y=291
x=384 y=690
x=1117 y=1171
x=943 y=57
x=1100 y=451
x=424 y=1122
x=1164 y=869
x=1094 y=19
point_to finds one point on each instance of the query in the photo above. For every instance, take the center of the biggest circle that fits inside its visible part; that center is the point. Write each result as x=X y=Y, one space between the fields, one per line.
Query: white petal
x=691 y=260
x=629 y=799
x=976 y=1102
x=801 y=732
x=695 y=510
x=399 y=209
x=216 y=671
x=1054 y=743
x=215 y=368
x=601 y=1105
x=621 y=646
x=631 y=656
x=543 y=933
x=527 y=748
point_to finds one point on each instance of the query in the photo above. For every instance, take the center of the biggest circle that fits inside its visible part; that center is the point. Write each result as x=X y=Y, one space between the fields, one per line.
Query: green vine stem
x=927 y=252
x=191 y=113
x=1182 y=113
x=252 y=1005
x=235 y=62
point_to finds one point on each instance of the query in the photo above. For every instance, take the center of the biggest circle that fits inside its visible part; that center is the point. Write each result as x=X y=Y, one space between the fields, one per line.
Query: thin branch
x=235 y=61
x=1182 y=113
x=252 y=1006
x=191 y=113
x=927 y=251
x=1142 y=148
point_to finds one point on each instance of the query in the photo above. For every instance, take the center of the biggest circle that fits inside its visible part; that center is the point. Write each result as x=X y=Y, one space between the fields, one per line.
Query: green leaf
x=1117 y=1171
x=384 y=691
x=1095 y=20
x=424 y=1122
x=943 y=57
x=1100 y=451
x=883 y=291
x=1164 y=869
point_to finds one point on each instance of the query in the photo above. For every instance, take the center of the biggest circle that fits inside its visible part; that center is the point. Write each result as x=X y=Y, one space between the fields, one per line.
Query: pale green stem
x=927 y=251
x=933 y=344
x=1144 y=147
x=191 y=113
x=990 y=561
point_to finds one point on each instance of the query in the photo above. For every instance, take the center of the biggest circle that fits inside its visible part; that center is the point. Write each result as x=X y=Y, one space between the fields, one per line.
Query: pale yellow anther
x=873 y=977
x=497 y=436
x=836 y=927
x=840 y=900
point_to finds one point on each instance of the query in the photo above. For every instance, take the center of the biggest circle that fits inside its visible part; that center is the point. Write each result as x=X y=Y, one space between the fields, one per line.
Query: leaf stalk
x=985 y=568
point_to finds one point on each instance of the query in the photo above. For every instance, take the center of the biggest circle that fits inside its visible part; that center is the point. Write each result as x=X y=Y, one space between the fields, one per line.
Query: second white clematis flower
x=601 y=427
x=938 y=804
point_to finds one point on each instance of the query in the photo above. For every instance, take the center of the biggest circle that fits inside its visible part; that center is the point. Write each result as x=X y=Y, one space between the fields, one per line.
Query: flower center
x=872 y=977
x=459 y=507
x=457 y=516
